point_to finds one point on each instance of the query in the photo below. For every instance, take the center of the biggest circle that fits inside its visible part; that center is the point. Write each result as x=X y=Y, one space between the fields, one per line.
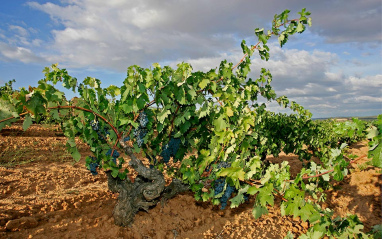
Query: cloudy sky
x=333 y=69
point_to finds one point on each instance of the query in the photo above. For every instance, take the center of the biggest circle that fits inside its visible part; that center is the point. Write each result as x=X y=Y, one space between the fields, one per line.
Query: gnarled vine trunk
x=146 y=190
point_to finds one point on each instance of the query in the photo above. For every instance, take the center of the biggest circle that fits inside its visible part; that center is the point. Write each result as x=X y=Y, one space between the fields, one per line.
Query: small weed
x=337 y=187
x=73 y=192
x=364 y=165
x=14 y=158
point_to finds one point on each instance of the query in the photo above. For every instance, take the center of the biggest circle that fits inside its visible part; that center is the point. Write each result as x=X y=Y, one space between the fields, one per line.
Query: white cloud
x=323 y=106
x=8 y=53
x=364 y=98
x=145 y=18
x=367 y=82
x=111 y=35
x=300 y=69
x=19 y=30
x=134 y=32
x=308 y=78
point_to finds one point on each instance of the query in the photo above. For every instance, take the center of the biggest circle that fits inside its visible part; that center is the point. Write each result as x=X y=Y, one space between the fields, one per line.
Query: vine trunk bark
x=146 y=191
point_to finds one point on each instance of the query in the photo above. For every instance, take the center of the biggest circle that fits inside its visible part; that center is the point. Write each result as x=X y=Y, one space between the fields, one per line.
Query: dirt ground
x=43 y=194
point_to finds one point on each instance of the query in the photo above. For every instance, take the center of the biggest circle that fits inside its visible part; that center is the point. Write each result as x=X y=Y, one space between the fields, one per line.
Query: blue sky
x=332 y=69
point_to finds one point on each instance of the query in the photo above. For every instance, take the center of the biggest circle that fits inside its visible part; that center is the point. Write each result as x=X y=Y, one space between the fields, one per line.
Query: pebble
x=21 y=223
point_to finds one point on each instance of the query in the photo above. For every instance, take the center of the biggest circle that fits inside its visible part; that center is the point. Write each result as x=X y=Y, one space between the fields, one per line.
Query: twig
x=172 y=122
x=329 y=171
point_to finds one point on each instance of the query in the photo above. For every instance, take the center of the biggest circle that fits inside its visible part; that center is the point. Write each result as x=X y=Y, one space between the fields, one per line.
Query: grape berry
x=143 y=120
x=141 y=131
x=115 y=153
x=170 y=149
x=139 y=134
x=93 y=166
x=219 y=186
x=95 y=126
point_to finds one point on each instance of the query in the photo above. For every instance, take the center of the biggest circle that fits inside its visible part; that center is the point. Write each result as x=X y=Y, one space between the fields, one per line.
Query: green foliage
x=7 y=111
x=7 y=90
x=217 y=118
x=375 y=143
x=377 y=231
x=7 y=101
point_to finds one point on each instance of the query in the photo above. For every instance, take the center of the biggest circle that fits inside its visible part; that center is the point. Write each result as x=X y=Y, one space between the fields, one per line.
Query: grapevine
x=212 y=124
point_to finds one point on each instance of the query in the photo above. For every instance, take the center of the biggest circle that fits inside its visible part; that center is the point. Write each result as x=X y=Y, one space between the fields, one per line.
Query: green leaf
x=239 y=198
x=377 y=231
x=113 y=90
x=114 y=172
x=266 y=195
x=55 y=114
x=163 y=115
x=376 y=155
x=71 y=142
x=75 y=154
x=220 y=124
x=141 y=102
x=234 y=173
x=36 y=104
x=204 y=111
x=125 y=121
x=204 y=83
x=253 y=190
x=229 y=112
x=263 y=38
x=300 y=27
x=7 y=110
x=181 y=96
x=289 y=236
x=308 y=213
x=27 y=122
x=258 y=211
x=338 y=174
x=192 y=93
x=372 y=132
x=254 y=164
x=326 y=177
x=312 y=235
x=127 y=107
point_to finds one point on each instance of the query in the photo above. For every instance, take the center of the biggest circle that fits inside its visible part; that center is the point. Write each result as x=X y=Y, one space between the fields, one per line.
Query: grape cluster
x=142 y=119
x=106 y=131
x=95 y=126
x=170 y=149
x=223 y=164
x=115 y=155
x=139 y=134
x=93 y=166
x=219 y=186
x=141 y=131
x=218 y=166
x=227 y=194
